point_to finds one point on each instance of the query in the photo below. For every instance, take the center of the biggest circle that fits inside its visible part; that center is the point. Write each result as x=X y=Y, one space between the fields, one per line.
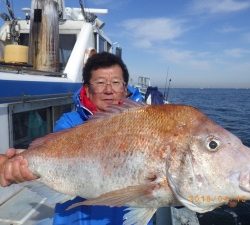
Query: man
x=105 y=83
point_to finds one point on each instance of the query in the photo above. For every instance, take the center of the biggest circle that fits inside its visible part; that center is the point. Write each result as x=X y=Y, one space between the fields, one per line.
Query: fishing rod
x=166 y=99
x=164 y=95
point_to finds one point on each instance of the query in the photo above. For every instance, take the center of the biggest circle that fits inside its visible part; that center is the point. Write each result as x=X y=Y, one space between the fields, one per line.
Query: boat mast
x=44 y=35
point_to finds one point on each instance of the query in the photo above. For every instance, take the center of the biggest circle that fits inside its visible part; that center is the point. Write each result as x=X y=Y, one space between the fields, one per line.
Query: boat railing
x=28 y=98
x=27 y=69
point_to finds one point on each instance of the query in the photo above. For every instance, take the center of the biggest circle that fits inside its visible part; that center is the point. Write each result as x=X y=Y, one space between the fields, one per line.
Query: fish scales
x=149 y=157
x=115 y=146
x=116 y=143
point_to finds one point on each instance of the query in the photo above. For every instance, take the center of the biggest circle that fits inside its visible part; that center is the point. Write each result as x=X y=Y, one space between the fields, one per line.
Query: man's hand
x=14 y=168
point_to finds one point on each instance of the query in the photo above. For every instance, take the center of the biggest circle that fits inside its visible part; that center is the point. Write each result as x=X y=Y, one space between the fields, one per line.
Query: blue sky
x=198 y=43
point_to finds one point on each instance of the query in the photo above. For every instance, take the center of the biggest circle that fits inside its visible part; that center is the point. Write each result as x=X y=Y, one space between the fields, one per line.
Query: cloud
x=102 y=2
x=246 y=37
x=219 y=6
x=156 y=35
x=145 y=32
x=236 y=52
x=228 y=29
x=198 y=60
x=111 y=4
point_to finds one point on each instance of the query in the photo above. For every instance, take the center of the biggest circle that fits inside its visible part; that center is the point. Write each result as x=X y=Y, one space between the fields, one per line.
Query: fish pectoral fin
x=138 y=216
x=119 y=197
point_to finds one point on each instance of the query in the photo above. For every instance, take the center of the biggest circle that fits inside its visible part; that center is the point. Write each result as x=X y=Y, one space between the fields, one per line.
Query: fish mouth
x=244 y=180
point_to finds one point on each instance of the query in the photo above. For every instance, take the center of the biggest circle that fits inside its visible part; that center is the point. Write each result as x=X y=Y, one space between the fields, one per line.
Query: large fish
x=145 y=157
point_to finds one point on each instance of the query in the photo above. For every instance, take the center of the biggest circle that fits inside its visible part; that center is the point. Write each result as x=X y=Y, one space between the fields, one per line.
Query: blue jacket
x=81 y=114
x=87 y=215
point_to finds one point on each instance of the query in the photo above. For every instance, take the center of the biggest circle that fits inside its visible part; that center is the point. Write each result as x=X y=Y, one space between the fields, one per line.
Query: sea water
x=228 y=107
x=231 y=109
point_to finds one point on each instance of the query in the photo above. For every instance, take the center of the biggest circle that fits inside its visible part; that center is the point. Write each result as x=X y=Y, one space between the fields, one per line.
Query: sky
x=195 y=43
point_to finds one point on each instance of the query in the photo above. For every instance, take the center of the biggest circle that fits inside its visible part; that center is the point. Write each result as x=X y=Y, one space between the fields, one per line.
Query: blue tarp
x=88 y=215
x=156 y=96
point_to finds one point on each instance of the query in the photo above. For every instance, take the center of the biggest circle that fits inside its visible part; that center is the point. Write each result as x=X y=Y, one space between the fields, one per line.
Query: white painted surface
x=4 y=129
x=74 y=66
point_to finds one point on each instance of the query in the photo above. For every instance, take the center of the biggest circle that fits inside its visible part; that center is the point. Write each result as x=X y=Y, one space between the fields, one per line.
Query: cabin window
x=35 y=119
x=59 y=110
x=96 y=40
x=66 y=44
x=24 y=39
x=109 y=47
x=102 y=43
x=30 y=125
x=118 y=51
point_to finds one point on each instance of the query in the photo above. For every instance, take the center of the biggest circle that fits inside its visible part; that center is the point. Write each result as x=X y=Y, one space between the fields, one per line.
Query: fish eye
x=213 y=144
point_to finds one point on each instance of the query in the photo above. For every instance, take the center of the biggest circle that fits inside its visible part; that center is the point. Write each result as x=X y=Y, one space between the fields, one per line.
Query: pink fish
x=145 y=157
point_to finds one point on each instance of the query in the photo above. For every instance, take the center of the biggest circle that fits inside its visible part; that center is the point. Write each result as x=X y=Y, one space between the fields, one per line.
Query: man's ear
x=87 y=90
x=126 y=91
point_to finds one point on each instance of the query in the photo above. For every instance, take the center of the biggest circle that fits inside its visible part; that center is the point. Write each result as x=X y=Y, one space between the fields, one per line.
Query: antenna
x=83 y=11
x=164 y=95
x=10 y=10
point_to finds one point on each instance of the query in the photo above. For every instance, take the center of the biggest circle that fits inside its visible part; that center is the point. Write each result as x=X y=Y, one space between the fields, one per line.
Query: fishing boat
x=151 y=94
x=41 y=62
x=43 y=55
x=143 y=84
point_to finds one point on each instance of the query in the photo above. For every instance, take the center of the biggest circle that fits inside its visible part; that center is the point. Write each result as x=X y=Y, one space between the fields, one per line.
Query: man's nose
x=108 y=88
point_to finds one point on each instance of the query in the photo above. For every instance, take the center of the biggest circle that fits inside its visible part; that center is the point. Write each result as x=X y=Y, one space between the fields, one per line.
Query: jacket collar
x=81 y=108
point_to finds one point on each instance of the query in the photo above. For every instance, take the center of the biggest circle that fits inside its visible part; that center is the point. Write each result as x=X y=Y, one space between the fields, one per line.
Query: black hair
x=103 y=60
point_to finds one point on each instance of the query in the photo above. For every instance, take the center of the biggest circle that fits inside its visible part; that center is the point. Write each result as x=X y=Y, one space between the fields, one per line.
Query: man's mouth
x=110 y=101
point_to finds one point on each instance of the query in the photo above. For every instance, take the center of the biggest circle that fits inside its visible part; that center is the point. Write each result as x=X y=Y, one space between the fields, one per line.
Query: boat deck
x=18 y=205
x=18 y=68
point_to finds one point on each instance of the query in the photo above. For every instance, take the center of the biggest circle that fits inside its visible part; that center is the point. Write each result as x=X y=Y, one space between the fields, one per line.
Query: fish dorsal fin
x=119 y=197
x=126 y=105
x=40 y=141
x=113 y=109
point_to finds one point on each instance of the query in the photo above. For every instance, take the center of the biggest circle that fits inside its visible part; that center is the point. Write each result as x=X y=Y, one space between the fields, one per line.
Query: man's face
x=106 y=87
